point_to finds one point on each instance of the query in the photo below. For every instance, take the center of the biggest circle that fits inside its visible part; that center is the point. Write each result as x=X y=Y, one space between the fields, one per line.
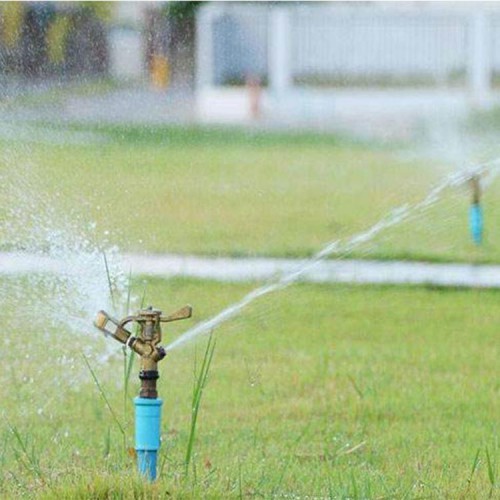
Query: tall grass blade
x=491 y=471
x=129 y=289
x=128 y=357
x=473 y=469
x=200 y=383
x=475 y=464
x=104 y=397
x=110 y=283
x=143 y=298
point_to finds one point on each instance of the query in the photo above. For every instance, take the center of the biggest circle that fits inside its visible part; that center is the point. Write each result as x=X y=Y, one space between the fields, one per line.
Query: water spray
x=147 y=405
x=476 y=210
x=342 y=247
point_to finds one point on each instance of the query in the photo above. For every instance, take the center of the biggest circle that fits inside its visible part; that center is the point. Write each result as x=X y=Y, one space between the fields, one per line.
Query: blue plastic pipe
x=476 y=223
x=147 y=435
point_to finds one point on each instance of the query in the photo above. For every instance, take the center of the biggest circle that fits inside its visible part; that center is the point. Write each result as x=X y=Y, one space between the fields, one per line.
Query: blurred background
x=369 y=67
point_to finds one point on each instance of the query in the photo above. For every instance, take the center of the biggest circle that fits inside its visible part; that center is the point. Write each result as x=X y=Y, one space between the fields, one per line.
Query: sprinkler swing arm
x=147 y=405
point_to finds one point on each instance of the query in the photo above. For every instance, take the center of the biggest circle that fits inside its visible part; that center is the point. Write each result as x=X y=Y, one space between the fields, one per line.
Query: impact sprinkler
x=147 y=405
x=476 y=210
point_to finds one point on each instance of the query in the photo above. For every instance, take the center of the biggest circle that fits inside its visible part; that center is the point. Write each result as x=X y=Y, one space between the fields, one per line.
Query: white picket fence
x=320 y=47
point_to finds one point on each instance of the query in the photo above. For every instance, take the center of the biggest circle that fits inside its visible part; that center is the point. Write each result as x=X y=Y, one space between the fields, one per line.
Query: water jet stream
x=339 y=246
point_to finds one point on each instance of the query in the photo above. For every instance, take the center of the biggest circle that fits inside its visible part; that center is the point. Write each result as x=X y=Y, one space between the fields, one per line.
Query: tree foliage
x=181 y=10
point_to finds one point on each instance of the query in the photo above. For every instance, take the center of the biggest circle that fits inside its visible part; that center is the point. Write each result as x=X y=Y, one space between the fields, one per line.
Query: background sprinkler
x=476 y=210
x=147 y=405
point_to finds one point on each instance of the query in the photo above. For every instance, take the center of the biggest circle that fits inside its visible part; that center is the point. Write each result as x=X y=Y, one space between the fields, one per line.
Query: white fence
x=371 y=48
x=317 y=47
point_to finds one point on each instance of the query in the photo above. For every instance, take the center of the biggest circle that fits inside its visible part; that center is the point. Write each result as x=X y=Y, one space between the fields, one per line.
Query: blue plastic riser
x=147 y=435
x=476 y=223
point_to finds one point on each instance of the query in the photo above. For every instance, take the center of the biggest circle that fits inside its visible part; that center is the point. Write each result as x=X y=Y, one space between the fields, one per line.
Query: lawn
x=318 y=391
x=207 y=191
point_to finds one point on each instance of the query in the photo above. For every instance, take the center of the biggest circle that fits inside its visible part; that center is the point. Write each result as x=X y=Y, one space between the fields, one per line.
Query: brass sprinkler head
x=146 y=344
x=475 y=184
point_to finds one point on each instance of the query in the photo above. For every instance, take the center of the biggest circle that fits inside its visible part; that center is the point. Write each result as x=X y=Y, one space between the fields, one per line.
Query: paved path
x=134 y=105
x=237 y=269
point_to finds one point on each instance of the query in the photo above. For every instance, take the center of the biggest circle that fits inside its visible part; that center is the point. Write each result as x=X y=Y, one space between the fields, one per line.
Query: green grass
x=219 y=192
x=319 y=391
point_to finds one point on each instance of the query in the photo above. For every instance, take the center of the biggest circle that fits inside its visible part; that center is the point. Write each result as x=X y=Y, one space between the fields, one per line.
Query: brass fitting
x=146 y=344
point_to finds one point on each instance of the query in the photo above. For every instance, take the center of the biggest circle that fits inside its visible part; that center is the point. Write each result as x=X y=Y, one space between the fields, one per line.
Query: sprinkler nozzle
x=146 y=344
x=475 y=184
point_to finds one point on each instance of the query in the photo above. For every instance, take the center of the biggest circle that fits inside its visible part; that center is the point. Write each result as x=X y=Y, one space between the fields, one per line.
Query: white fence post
x=479 y=64
x=205 y=47
x=279 y=50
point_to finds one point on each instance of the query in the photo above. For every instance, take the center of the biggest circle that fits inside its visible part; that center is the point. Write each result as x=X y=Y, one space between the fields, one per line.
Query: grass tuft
x=25 y=455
